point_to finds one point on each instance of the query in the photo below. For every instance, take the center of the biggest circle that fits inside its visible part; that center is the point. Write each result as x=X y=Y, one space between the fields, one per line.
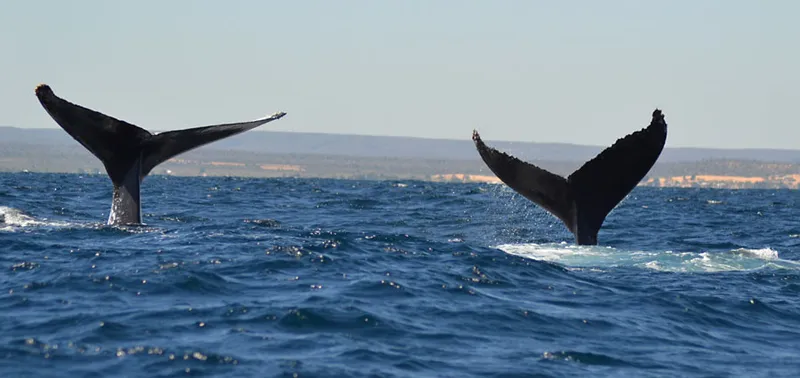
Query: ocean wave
x=391 y=281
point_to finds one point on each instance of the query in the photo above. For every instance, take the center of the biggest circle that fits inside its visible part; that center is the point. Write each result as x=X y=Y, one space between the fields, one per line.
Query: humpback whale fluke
x=129 y=152
x=584 y=199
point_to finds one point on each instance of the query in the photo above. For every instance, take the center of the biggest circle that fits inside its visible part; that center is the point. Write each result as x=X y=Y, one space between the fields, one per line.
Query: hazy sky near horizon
x=725 y=72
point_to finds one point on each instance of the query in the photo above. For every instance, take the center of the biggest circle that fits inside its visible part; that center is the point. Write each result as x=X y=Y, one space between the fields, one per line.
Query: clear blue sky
x=725 y=72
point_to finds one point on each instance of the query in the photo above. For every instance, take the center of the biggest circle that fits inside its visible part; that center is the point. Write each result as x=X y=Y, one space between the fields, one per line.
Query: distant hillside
x=281 y=154
x=275 y=142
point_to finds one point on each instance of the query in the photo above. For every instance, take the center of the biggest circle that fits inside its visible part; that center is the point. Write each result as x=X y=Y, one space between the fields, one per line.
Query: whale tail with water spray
x=129 y=152
x=584 y=199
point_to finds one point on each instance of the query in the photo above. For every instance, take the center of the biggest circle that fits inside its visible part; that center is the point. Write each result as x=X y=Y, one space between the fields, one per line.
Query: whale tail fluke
x=116 y=143
x=161 y=147
x=544 y=188
x=584 y=199
x=129 y=152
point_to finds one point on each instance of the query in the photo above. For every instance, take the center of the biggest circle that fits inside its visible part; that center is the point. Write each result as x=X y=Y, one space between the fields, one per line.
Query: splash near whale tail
x=584 y=199
x=129 y=152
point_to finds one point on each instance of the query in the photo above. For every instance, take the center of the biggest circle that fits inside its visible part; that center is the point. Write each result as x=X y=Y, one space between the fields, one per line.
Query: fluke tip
x=42 y=89
x=657 y=114
x=475 y=136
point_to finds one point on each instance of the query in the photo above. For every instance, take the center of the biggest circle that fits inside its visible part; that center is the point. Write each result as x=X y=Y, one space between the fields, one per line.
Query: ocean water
x=334 y=278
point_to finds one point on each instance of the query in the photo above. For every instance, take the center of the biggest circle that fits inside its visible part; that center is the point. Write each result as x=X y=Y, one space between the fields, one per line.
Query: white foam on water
x=598 y=257
x=15 y=220
x=12 y=219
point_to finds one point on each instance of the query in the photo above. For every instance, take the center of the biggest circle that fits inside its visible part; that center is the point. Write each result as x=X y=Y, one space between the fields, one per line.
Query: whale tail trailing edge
x=584 y=199
x=128 y=152
x=161 y=147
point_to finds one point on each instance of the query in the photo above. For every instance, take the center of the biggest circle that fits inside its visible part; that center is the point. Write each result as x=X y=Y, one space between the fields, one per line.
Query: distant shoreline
x=696 y=181
x=282 y=154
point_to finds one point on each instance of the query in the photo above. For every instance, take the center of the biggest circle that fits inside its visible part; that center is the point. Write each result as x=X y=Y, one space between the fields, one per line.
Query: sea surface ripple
x=336 y=278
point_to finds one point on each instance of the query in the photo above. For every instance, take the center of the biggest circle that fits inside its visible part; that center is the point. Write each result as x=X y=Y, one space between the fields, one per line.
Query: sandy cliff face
x=791 y=181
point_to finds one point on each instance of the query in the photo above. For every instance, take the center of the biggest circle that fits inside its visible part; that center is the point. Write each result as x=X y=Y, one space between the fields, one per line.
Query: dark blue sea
x=234 y=277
